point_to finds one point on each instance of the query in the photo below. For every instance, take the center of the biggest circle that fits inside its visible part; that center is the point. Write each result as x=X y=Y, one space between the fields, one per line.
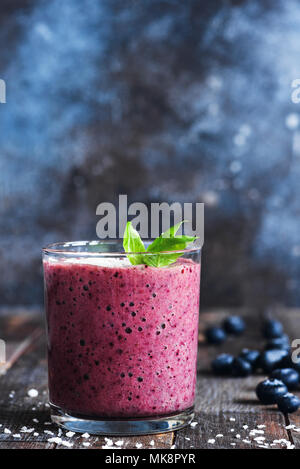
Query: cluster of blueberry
x=274 y=360
x=233 y=325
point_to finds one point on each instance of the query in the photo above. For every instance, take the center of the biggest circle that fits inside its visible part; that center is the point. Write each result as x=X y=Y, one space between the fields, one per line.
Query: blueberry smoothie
x=122 y=339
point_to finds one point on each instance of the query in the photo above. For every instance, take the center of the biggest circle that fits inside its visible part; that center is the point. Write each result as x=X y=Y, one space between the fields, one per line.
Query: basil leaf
x=161 y=260
x=178 y=243
x=171 y=232
x=132 y=243
x=167 y=241
x=170 y=244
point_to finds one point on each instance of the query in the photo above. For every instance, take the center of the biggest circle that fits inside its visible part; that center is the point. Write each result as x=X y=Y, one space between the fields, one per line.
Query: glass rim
x=67 y=249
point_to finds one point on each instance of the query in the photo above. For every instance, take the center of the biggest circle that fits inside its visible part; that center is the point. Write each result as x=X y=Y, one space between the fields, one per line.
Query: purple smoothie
x=122 y=341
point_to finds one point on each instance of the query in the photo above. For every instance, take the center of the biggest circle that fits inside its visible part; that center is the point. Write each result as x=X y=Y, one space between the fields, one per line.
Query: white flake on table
x=255 y=432
x=59 y=441
x=26 y=430
x=283 y=442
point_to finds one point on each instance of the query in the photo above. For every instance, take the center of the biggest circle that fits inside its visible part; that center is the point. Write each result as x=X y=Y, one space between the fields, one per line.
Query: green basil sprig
x=167 y=241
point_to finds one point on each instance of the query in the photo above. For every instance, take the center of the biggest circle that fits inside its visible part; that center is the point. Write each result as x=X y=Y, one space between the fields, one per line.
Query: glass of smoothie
x=122 y=339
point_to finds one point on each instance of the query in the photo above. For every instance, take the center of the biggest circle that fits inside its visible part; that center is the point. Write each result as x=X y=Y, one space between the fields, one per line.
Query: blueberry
x=241 y=367
x=272 y=329
x=288 y=376
x=287 y=362
x=222 y=365
x=283 y=339
x=282 y=342
x=269 y=360
x=288 y=403
x=269 y=390
x=251 y=356
x=234 y=325
x=215 y=335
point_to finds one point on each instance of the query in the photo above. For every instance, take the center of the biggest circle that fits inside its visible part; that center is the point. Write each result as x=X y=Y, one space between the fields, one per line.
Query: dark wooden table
x=228 y=414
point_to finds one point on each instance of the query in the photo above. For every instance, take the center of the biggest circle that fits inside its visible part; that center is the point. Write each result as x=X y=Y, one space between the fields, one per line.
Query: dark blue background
x=164 y=101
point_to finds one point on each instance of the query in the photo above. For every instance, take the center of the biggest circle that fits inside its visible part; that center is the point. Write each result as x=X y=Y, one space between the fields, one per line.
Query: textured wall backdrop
x=163 y=101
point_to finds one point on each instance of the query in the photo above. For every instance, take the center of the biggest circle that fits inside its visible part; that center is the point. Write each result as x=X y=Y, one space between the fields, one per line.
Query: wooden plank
x=291 y=322
x=220 y=399
x=217 y=394
x=25 y=445
x=233 y=430
x=18 y=333
x=160 y=441
x=17 y=409
x=15 y=350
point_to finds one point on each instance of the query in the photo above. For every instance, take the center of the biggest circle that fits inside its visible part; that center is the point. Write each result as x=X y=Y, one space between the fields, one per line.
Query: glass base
x=142 y=426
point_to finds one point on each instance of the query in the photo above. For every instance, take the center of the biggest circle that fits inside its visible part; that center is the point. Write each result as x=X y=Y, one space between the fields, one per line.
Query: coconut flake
x=59 y=441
